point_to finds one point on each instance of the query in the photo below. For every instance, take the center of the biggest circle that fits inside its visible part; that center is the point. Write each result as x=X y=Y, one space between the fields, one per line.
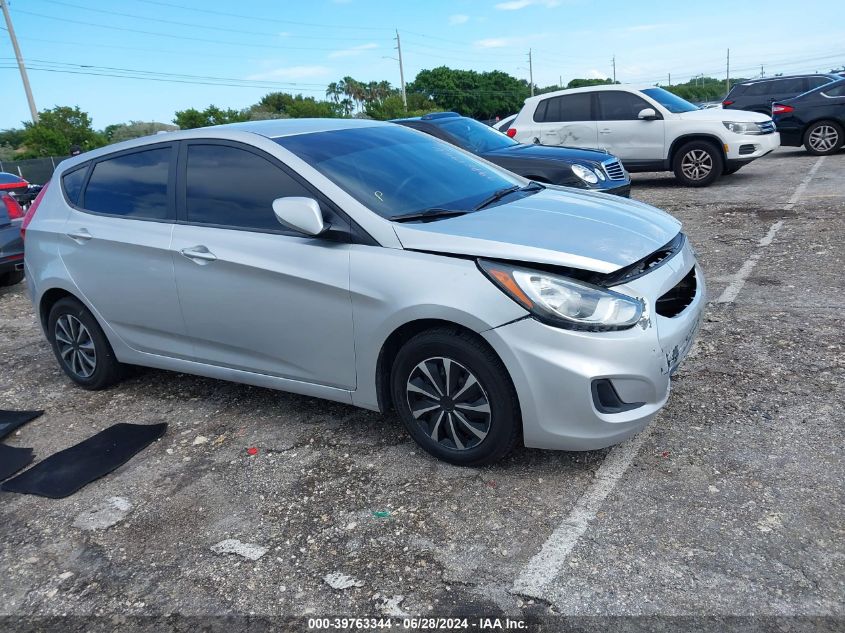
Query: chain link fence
x=35 y=170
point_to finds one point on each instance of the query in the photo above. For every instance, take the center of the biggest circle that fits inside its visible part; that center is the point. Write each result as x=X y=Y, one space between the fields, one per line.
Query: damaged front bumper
x=588 y=390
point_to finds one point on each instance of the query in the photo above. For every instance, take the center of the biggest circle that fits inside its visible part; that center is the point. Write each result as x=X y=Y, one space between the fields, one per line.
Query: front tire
x=81 y=347
x=698 y=164
x=823 y=138
x=456 y=398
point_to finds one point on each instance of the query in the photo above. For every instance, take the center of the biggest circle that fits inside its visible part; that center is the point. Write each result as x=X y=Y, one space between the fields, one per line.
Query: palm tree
x=333 y=91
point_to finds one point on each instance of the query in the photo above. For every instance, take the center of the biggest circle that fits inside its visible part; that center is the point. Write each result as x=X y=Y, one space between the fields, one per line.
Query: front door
x=256 y=296
x=623 y=133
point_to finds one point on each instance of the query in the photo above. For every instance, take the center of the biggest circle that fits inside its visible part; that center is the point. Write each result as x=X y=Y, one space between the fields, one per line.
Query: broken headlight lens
x=564 y=302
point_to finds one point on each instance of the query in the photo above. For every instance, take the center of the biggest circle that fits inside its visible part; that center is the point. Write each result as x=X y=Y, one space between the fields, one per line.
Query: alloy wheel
x=449 y=403
x=697 y=164
x=823 y=138
x=76 y=347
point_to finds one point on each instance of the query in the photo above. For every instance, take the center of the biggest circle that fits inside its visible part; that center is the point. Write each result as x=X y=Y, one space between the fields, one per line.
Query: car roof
x=761 y=79
x=601 y=87
x=271 y=129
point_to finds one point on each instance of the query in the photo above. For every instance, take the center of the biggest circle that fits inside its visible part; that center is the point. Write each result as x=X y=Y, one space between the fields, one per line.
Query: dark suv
x=757 y=95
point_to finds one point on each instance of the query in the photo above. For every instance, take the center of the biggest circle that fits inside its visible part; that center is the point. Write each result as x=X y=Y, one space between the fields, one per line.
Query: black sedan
x=582 y=168
x=815 y=119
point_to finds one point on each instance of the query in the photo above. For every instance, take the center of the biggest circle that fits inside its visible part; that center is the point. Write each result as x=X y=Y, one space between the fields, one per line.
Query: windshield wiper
x=428 y=214
x=501 y=193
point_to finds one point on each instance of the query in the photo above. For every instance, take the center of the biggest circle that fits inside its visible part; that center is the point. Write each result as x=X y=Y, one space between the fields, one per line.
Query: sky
x=192 y=53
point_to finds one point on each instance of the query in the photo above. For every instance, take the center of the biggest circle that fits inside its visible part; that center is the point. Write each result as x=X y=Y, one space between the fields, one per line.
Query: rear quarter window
x=575 y=107
x=72 y=183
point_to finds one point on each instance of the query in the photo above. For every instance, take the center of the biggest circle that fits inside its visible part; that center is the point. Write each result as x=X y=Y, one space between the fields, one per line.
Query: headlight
x=564 y=302
x=585 y=174
x=738 y=127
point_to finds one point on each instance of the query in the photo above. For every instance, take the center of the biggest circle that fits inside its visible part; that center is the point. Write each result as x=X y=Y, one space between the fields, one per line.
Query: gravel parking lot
x=731 y=503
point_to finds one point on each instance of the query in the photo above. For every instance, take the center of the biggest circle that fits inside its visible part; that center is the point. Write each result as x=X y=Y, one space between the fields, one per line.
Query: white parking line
x=731 y=292
x=544 y=567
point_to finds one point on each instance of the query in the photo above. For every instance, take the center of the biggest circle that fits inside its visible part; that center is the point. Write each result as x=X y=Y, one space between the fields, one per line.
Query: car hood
x=719 y=114
x=546 y=152
x=564 y=227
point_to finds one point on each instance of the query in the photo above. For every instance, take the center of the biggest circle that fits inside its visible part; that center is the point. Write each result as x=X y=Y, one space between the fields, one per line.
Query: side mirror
x=300 y=214
x=647 y=114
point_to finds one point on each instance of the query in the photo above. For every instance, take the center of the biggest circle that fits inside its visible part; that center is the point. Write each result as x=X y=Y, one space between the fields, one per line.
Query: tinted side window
x=759 y=89
x=815 y=82
x=788 y=86
x=839 y=91
x=132 y=185
x=620 y=106
x=228 y=186
x=72 y=182
x=575 y=107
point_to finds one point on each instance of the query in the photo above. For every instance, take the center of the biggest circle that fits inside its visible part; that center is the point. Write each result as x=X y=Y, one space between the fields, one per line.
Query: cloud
x=516 y=5
x=291 y=72
x=596 y=74
x=355 y=50
x=505 y=42
x=458 y=19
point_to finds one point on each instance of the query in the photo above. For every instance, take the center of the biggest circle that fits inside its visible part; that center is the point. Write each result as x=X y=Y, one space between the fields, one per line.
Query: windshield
x=475 y=136
x=394 y=170
x=670 y=101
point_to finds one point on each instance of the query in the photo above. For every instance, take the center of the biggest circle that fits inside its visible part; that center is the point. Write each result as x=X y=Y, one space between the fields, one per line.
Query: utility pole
x=670 y=80
x=728 y=74
x=613 y=61
x=32 y=109
x=531 y=72
x=762 y=72
x=401 y=71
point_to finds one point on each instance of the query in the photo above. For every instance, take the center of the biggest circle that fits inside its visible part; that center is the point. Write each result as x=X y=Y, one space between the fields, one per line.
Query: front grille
x=767 y=127
x=614 y=170
x=678 y=298
x=746 y=149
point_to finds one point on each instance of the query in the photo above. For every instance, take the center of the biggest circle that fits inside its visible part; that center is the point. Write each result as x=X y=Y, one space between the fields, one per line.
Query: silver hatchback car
x=370 y=264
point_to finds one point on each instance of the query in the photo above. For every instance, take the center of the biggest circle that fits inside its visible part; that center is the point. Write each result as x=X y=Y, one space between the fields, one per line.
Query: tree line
x=481 y=95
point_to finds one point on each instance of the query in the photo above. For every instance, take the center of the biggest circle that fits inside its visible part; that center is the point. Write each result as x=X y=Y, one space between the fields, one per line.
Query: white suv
x=650 y=128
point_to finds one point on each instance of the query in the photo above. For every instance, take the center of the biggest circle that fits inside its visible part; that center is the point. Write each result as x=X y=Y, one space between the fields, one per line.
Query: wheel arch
x=687 y=138
x=401 y=335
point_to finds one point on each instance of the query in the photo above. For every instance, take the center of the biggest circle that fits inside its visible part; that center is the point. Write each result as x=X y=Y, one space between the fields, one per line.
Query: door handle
x=606 y=130
x=199 y=254
x=80 y=236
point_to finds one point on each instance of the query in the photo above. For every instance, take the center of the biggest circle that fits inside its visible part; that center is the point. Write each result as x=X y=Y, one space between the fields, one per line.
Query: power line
x=263 y=18
x=226 y=29
x=177 y=37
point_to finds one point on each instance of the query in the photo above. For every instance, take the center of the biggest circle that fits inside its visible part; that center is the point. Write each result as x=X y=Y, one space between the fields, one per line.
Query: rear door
x=566 y=120
x=256 y=296
x=116 y=245
x=623 y=133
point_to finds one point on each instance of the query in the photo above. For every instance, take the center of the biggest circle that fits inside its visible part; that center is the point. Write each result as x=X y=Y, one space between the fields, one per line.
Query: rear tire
x=823 y=138
x=698 y=164
x=11 y=278
x=81 y=347
x=470 y=416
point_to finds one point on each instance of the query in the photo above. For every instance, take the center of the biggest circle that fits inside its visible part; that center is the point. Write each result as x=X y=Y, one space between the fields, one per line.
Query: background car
x=567 y=166
x=650 y=129
x=757 y=95
x=504 y=124
x=11 y=245
x=12 y=184
x=815 y=119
